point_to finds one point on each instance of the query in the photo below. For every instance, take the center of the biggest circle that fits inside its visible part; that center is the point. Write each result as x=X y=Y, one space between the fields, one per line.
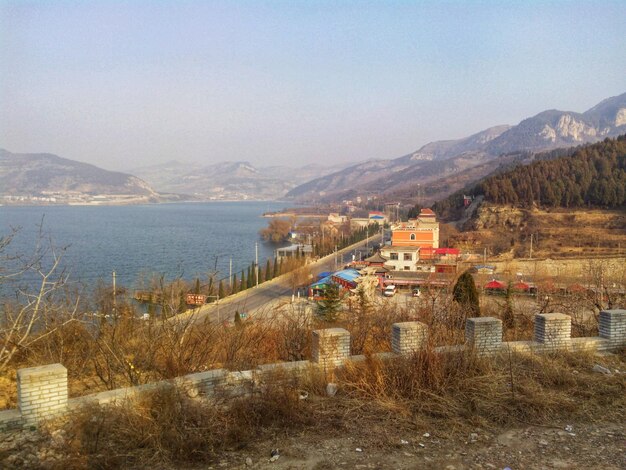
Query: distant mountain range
x=438 y=161
x=229 y=180
x=435 y=170
x=43 y=177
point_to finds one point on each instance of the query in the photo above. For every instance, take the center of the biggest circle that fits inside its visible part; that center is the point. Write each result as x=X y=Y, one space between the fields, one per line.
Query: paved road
x=272 y=291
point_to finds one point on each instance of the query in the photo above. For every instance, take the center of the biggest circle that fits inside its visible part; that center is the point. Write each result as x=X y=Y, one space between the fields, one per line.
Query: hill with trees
x=586 y=176
x=595 y=175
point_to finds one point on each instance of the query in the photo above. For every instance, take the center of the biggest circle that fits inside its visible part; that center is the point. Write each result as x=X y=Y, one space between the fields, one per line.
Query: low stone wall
x=43 y=391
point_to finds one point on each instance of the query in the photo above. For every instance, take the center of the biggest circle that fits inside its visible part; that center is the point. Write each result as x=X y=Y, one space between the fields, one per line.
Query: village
x=409 y=259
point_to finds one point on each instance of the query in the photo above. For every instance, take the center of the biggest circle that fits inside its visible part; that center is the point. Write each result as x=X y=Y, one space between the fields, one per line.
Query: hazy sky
x=130 y=83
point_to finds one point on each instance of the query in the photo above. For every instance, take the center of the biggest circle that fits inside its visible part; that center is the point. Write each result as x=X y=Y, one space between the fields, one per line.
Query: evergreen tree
x=197 y=287
x=276 y=272
x=221 y=293
x=251 y=276
x=182 y=302
x=235 y=287
x=330 y=305
x=237 y=318
x=268 y=270
x=465 y=294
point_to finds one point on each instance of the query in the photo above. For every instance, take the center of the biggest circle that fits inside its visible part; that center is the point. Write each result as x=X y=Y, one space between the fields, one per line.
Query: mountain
x=430 y=162
x=43 y=177
x=595 y=175
x=437 y=160
x=228 y=180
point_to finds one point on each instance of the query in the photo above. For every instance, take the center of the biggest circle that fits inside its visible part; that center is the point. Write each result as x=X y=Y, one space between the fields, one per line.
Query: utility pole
x=256 y=262
x=230 y=273
x=335 y=257
x=114 y=295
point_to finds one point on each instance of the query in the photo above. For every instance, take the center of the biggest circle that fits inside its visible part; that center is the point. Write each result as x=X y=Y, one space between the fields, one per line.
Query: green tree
x=250 y=282
x=244 y=283
x=268 y=270
x=221 y=293
x=414 y=211
x=197 y=287
x=330 y=305
x=465 y=295
x=235 y=287
x=276 y=269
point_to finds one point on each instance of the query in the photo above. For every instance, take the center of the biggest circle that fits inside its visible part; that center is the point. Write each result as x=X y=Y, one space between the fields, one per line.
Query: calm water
x=187 y=239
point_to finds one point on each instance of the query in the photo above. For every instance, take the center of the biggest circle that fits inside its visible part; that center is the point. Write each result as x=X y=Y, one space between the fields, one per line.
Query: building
x=377 y=217
x=294 y=251
x=359 y=222
x=413 y=242
x=401 y=258
x=346 y=279
x=377 y=263
x=335 y=218
x=422 y=231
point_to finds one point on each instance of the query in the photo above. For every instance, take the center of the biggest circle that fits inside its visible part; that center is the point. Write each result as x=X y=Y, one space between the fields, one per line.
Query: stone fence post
x=613 y=327
x=330 y=347
x=41 y=392
x=553 y=330
x=484 y=334
x=408 y=337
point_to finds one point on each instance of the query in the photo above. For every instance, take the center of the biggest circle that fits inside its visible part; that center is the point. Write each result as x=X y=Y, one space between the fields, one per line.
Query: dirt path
x=583 y=446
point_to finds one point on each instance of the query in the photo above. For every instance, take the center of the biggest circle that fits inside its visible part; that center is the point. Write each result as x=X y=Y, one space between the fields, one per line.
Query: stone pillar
x=41 y=392
x=553 y=330
x=484 y=334
x=408 y=337
x=613 y=327
x=331 y=347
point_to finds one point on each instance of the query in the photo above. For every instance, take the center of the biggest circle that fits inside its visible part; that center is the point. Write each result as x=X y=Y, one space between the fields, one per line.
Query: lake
x=175 y=240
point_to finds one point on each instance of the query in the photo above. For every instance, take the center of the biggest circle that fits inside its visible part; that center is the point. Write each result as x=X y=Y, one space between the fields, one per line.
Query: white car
x=390 y=291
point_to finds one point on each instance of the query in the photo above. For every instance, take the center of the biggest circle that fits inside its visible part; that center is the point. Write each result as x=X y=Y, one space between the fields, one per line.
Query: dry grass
x=168 y=426
x=376 y=398
x=522 y=388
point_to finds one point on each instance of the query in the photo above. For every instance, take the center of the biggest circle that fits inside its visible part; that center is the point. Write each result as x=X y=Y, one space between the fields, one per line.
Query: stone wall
x=43 y=391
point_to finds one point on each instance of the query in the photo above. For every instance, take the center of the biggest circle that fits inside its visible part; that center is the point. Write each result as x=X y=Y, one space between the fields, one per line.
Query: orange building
x=422 y=231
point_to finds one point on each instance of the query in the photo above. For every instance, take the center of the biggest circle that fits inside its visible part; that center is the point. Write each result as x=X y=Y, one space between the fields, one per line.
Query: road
x=272 y=291
x=469 y=212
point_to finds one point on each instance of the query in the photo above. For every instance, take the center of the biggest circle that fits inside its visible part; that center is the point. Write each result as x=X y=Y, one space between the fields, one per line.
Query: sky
x=124 y=84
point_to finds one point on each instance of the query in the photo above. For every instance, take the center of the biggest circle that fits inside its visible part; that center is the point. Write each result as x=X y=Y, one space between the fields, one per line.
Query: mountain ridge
x=546 y=130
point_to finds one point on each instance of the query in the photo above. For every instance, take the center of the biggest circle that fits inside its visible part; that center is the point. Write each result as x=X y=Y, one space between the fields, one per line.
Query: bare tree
x=40 y=305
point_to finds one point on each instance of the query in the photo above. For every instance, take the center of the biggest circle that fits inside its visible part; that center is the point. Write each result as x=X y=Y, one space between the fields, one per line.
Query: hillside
x=554 y=207
x=228 y=180
x=594 y=175
x=43 y=177
x=547 y=130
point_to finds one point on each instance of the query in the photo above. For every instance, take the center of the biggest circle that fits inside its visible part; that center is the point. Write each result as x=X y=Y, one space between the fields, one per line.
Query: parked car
x=416 y=292
x=390 y=291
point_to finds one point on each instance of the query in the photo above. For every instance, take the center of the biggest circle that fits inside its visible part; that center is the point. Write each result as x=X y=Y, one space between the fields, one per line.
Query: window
x=393 y=256
x=407 y=268
x=412 y=236
x=408 y=257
